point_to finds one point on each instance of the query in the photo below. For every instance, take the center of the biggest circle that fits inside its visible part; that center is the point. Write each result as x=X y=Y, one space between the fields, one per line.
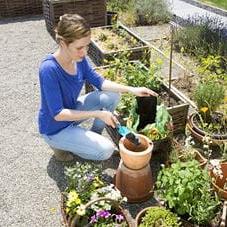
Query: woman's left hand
x=143 y=91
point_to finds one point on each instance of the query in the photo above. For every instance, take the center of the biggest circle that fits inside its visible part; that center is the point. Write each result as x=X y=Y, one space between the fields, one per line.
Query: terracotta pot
x=135 y=185
x=219 y=183
x=136 y=156
x=199 y=134
x=202 y=160
x=140 y=215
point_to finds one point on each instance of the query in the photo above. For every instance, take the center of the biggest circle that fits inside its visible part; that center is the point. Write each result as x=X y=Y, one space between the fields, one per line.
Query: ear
x=62 y=43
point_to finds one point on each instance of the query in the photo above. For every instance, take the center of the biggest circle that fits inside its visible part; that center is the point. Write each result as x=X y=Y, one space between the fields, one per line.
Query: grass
x=219 y=3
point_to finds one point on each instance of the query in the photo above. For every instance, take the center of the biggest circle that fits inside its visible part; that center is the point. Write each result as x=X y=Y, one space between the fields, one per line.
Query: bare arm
x=115 y=87
x=75 y=115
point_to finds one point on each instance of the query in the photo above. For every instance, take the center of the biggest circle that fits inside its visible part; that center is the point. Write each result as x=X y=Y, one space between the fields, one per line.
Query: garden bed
x=176 y=106
x=111 y=41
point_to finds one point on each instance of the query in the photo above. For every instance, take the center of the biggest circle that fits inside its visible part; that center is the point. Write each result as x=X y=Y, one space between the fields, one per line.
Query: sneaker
x=63 y=156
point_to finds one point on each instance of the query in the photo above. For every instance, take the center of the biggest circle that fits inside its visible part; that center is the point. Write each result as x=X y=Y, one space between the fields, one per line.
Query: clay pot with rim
x=219 y=182
x=199 y=134
x=136 y=156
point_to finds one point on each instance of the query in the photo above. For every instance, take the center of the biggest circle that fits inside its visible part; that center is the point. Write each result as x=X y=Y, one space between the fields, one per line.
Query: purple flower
x=90 y=177
x=103 y=214
x=118 y=217
x=93 y=219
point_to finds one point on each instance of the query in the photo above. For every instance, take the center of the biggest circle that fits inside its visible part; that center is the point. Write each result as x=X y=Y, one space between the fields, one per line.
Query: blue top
x=60 y=90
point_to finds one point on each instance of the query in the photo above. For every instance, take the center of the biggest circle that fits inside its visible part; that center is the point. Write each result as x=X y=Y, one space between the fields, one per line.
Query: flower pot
x=75 y=221
x=218 y=182
x=197 y=154
x=135 y=185
x=146 y=108
x=135 y=156
x=199 y=134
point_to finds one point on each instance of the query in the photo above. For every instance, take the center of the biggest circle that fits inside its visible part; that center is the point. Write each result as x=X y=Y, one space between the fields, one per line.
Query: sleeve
x=50 y=89
x=92 y=76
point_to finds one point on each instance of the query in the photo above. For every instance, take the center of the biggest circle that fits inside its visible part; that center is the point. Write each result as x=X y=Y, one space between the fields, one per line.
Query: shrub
x=208 y=96
x=186 y=188
x=117 y=5
x=201 y=36
x=152 y=11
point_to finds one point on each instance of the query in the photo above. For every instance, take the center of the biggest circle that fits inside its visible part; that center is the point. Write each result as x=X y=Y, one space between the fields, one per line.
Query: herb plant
x=210 y=95
x=186 y=188
x=159 y=216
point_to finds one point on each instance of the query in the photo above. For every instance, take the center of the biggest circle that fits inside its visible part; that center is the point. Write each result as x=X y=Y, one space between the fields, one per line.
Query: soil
x=109 y=39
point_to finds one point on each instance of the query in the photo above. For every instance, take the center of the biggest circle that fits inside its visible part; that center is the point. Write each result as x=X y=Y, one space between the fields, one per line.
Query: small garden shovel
x=124 y=131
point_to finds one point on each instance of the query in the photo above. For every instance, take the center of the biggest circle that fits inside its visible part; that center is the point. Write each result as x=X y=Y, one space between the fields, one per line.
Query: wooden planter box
x=94 y=11
x=178 y=112
x=98 y=55
x=12 y=8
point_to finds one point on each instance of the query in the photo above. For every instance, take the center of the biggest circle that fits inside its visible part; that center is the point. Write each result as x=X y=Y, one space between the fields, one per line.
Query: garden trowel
x=125 y=132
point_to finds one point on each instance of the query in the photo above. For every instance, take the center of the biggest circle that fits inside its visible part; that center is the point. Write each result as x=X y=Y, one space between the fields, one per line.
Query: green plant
x=117 y=5
x=152 y=11
x=125 y=104
x=186 y=188
x=159 y=216
x=102 y=37
x=212 y=64
x=136 y=74
x=208 y=96
x=84 y=178
x=201 y=36
x=162 y=126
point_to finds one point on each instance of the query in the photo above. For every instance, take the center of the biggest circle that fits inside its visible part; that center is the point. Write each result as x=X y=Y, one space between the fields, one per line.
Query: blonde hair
x=71 y=27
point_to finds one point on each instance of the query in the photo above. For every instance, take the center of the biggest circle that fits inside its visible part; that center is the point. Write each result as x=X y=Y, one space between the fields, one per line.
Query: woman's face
x=77 y=50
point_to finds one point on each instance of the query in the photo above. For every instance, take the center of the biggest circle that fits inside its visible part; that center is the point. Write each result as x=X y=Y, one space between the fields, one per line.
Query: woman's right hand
x=108 y=118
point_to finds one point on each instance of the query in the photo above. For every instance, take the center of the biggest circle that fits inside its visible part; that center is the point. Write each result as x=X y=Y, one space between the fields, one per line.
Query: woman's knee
x=109 y=98
x=105 y=151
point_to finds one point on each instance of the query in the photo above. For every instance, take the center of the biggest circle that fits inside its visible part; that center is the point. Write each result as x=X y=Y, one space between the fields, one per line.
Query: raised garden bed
x=94 y=11
x=112 y=41
x=177 y=107
x=12 y=8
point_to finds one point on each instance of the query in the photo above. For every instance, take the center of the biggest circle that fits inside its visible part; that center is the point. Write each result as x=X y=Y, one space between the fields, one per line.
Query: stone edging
x=213 y=9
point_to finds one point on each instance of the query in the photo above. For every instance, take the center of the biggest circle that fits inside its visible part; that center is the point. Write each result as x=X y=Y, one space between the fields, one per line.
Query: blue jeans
x=87 y=144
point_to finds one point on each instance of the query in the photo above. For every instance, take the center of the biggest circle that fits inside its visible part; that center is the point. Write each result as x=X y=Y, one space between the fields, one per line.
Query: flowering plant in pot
x=88 y=200
x=157 y=216
x=209 y=95
x=186 y=189
x=186 y=152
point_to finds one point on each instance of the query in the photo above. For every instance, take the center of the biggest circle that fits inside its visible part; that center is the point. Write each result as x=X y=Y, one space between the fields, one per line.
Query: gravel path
x=28 y=193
